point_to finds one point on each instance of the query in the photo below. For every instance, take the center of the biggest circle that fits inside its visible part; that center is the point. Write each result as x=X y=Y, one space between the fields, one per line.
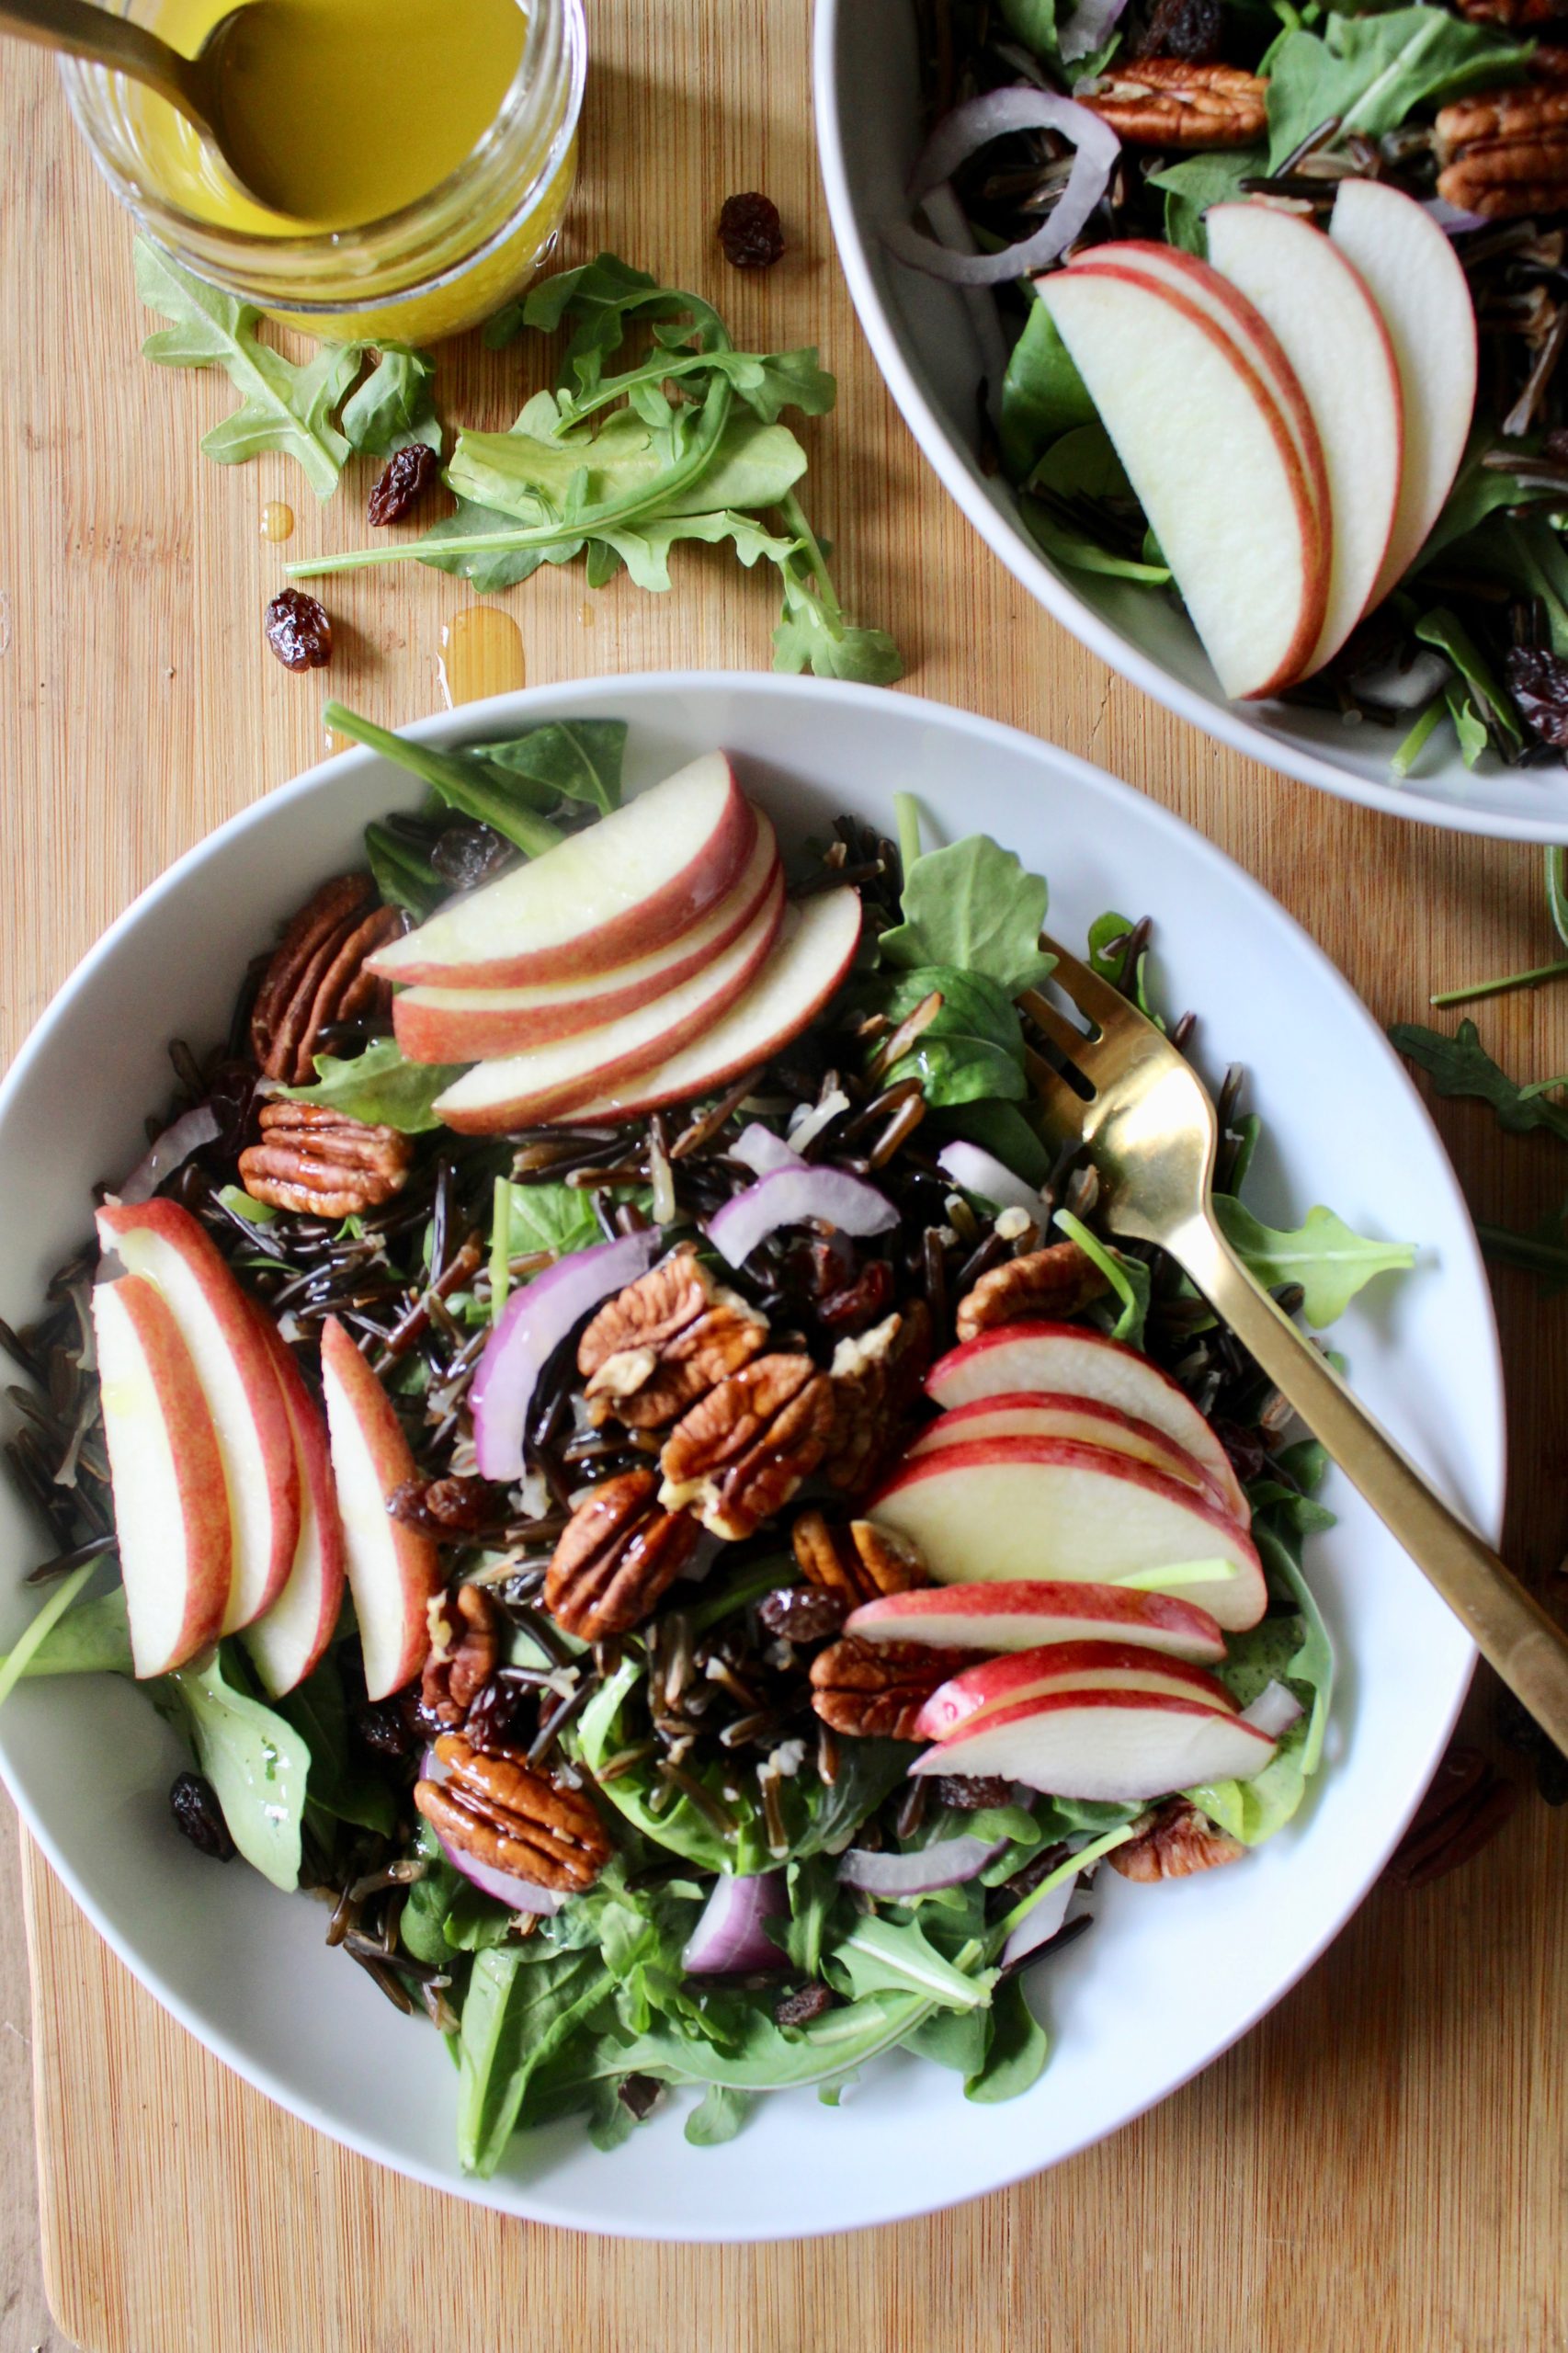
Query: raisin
x=503 y=1715
x=1539 y=684
x=299 y=630
x=195 y=1807
x=966 y=1792
x=1244 y=1448
x=407 y=476
x=750 y=231
x=865 y=1301
x=384 y=1725
x=1189 y=30
x=801 y=1614
x=640 y=2094
x=467 y=854
x=799 y=2008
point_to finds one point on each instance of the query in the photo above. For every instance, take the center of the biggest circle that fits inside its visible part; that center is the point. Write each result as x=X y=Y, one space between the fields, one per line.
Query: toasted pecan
x=1056 y=1282
x=616 y=1557
x=1504 y=152
x=459 y=1669
x=858 y=1560
x=1177 y=102
x=876 y=1689
x=740 y=1453
x=665 y=1341
x=876 y=1377
x=1172 y=1842
x=322 y=1164
x=318 y=975
x=498 y=1808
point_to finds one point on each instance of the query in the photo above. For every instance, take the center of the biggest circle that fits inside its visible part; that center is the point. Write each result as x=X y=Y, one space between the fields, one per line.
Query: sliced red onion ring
x=172 y=1148
x=945 y=215
x=978 y=1172
x=806 y=1126
x=762 y=1152
x=1088 y=27
x=729 y=1936
x=1406 y=689
x=1274 y=1711
x=787 y=1198
x=517 y=1894
x=532 y=1327
x=1038 y=1926
x=974 y=125
x=1453 y=221
x=946 y=1863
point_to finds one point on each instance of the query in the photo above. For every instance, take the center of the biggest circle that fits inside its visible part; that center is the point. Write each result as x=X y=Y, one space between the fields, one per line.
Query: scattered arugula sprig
x=1460 y=1066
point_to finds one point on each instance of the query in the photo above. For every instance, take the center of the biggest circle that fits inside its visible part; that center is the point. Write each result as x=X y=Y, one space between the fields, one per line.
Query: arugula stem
x=31 y=1639
x=1415 y=743
x=459 y=779
x=998 y=1936
x=795 y=523
x=1557 y=889
x=906 y=810
x=1475 y=990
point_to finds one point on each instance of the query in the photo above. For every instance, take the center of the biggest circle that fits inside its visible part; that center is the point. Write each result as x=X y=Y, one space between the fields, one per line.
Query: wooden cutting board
x=1380 y=2164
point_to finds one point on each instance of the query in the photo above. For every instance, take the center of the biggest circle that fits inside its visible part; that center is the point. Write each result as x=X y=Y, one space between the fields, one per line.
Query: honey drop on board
x=482 y=654
x=276 y=521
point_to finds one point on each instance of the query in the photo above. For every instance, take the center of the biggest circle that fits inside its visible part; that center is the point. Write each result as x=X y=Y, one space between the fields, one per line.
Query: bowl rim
x=1007 y=540
x=531 y=2199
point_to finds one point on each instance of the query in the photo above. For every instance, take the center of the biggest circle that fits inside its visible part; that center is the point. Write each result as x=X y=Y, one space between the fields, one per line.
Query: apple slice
x=1212 y=463
x=1029 y=1612
x=616 y=891
x=815 y=949
x=1053 y=1508
x=1117 y=1747
x=1410 y=271
x=1084 y=1363
x=176 y=1254
x=170 y=1508
x=448 y=1025
x=393 y=1572
x=288 y=1642
x=1333 y=335
x=547 y=1082
x=1039 y=1415
x=1062 y=1667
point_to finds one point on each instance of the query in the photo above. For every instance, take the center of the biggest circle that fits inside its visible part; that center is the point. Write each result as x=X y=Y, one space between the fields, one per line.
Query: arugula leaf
x=1461 y=1065
x=880 y=1955
x=508 y=802
x=1478 y=493
x=1132 y=1279
x=975 y=906
x=1069 y=544
x=401 y=873
x=1373 y=72
x=258 y=1765
x=1020 y=2047
x=520 y=2008
x=973 y=1050
x=422 y=1922
x=719 y=2116
x=393 y=407
x=339 y=1783
x=491 y=568
x=285 y=407
x=380 y=1088
x=1323 y=1256
x=1105 y=934
x=543 y=1217
x=1489 y=697
x=1193 y=184
x=1042 y=395
x=577 y=759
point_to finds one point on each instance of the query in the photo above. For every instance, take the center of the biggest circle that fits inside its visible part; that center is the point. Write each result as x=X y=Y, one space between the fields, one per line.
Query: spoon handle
x=108 y=40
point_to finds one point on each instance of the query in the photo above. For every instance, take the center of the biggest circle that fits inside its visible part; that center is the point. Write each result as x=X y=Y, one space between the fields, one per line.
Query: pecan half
x=322 y=1164
x=1056 y=1282
x=1176 y=102
x=496 y=1808
x=1172 y=1842
x=876 y=1689
x=740 y=1453
x=1466 y=1805
x=857 y=1562
x=875 y=1377
x=1504 y=152
x=665 y=1341
x=616 y=1557
x=459 y=1669
x=317 y=975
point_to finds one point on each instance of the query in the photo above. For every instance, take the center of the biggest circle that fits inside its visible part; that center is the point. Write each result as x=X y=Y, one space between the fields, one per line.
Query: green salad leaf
x=973 y=905
x=1461 y=1065
x=1199 y=181
x=379 y=1086
x=1322 y=1255
x=508 y=799
x=91 y=1638
x=569 y=759
x=340 y=1784
x=257 y=1763
x=1017 y=2047
x=1043 y=396
x=393 y=407
x=974 y=1048
x=1373 y=72
x=523 y=2005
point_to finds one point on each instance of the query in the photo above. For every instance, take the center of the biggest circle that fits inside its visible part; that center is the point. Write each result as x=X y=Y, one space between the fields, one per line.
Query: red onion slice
x=979 y=1172
x=1040 y=1924
x=1274 y=1711
x=1453 y=221
x=172 y=1150
x=790 y=1196
x=758 y=1149
x=946 y=1863
x=532 y=1327
x=729 y=1936
x=1406 y=689
x=517 y=1894
x=1088 y=27
x=974 y=125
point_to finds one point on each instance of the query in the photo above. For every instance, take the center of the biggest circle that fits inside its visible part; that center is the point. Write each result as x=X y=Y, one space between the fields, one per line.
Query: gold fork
x=1152 y=1134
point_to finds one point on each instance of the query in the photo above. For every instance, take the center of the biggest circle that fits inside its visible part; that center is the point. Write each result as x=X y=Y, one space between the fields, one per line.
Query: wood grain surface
x=1381 y=2165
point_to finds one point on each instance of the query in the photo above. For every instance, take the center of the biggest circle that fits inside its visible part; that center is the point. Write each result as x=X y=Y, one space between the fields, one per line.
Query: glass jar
x=443 y=264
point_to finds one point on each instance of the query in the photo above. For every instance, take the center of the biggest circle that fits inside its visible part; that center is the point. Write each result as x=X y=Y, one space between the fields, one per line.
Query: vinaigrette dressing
x=482 y=654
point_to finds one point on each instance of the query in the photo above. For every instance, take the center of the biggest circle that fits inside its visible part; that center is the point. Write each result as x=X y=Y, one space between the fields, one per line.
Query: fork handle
x=1510 y=1630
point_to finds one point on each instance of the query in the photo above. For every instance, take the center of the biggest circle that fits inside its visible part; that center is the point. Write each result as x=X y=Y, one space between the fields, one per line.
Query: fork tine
x=1066 y=1109
x=1071 y=1041
x=1093 y=997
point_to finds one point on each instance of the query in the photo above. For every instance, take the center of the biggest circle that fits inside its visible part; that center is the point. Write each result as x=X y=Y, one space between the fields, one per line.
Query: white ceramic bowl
x=869 y=133
x=1169 y=1975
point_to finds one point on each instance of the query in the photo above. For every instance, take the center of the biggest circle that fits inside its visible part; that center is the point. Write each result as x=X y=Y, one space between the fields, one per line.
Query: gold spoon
x=1150 y=1133
x=201 y=88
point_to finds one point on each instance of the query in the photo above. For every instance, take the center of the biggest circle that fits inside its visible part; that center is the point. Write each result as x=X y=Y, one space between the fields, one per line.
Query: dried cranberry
x=1539 y=684
x=1189 y=30
x=467 y=854
x=865 y=1301
x=750 y=231
x=801 y=1613
x=299 y=630
x=966 y=1792
x=386 y=1726
x=195 y=1807
x=407 y=476
x=502 y=1715
x=640 y=2094
x=809 y=2003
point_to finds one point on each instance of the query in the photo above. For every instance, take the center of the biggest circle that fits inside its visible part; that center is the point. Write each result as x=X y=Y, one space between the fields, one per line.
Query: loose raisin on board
x=407 y=476
x=299 y=630
x=750 y=231
x=195 y=1807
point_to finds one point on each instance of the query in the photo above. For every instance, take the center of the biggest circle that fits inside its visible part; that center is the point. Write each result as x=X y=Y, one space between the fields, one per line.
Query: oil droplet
x=586 y=614
x=482 y=654
x=276 y=521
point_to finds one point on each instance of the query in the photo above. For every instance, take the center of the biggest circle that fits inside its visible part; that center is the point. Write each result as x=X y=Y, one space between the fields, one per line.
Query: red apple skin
x=731 y=1059
x=283 y=1665
x=1023 y=1674
x=950 y=1755
x=638 y=930
x=949 y=1375
x=1064 y=1453
x=1047 y=1610
x=951 y=1428
x=201 y=1545
x=1311 y=519
x=414 y=1559
x=253 y=1361
x=557 y=1102
x=429 y=1028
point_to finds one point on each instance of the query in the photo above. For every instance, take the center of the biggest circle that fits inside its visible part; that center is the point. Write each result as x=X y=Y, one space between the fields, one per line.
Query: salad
x=1271 y=304
x=610 y=1427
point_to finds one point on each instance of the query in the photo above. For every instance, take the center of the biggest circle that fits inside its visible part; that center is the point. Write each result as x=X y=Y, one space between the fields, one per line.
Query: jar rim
x=550 y=75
